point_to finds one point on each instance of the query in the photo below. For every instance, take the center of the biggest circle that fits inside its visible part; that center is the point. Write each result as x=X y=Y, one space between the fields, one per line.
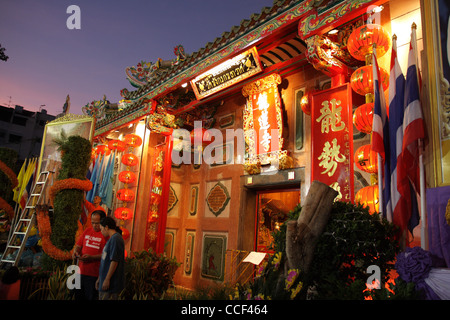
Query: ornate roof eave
x=248 y=33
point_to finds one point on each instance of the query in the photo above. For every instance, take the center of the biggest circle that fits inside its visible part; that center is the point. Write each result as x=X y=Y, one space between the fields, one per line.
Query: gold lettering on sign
x=330 y=117
x=263 y=120
x=330 y=157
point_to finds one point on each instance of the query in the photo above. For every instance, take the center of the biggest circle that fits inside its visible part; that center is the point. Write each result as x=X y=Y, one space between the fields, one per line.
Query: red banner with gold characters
x=332 y=140
x=265 y=118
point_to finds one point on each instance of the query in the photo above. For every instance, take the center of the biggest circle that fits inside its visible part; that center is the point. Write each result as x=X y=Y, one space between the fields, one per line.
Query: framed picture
x=436 y=71
x=213 y=255
x=68 y=125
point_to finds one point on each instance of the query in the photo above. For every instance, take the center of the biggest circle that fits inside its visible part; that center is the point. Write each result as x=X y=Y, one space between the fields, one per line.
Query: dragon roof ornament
x=145 y=72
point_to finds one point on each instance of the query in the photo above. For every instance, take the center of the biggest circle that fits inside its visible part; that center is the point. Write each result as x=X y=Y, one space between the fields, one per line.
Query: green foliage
x=148 y=275
x=76 y=155
x=56 y=287
x=273 y=281
x=397 y=290
x=352 y=240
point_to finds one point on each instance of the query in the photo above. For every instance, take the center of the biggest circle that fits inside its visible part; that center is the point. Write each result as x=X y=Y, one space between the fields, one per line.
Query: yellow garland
x=70 y=183
x=11 y=175
x=45 y=231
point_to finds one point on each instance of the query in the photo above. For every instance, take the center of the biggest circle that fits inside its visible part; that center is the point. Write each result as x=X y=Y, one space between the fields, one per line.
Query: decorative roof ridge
x=208 y=50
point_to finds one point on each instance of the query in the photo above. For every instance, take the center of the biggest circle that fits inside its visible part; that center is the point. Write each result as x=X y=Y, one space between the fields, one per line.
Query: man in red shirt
x=88 y=251
x=91 y=207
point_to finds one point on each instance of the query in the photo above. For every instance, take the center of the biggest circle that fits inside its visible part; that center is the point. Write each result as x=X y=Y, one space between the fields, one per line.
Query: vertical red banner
x=159 y=195
x=332 y=140
x=264 y=106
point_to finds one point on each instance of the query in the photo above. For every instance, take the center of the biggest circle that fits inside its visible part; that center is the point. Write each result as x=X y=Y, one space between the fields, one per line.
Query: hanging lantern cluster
x=361 y=43
x=103 y=150
x=127 y=177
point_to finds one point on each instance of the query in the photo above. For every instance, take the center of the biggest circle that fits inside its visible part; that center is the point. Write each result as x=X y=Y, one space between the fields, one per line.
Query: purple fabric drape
x=438 y=228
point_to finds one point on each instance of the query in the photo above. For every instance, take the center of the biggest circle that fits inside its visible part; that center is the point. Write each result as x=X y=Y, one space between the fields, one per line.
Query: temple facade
x=212 y=149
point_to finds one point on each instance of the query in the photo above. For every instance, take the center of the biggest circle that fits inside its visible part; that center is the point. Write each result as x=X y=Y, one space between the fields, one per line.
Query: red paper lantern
x=361 y=40
x=363 y=118
x=125 y=195
x=123 y=213
x=116 y=145
x=368 y=196
x=130 y=159
x=133 y=140
x=362 y=80
x=125 y=233
x=366 y=159
x=102 y=149
x=127 y=177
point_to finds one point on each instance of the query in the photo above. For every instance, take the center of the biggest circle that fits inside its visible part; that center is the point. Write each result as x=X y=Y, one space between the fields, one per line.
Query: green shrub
x=148 y=275
x=353 y=240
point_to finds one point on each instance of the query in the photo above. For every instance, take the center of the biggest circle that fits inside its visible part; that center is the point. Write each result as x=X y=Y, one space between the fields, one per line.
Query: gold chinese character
x=331 y=117
x=330 y=157
x=337 y=187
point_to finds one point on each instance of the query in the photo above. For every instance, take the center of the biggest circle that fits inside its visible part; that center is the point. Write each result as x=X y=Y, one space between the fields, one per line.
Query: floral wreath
x=70 y=183
x=13 y=178
x=44 y=225
x=45 y=231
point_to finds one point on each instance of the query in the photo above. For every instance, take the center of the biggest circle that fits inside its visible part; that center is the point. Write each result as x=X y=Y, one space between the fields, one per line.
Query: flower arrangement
x=45 y=231
x=11 y=177
x=9 y=173
x=70 y=183
x=272 y=281
x=60 y=229
x=6 y=206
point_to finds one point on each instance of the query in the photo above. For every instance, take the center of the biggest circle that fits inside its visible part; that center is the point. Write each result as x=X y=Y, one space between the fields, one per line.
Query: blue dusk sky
x=47 y=61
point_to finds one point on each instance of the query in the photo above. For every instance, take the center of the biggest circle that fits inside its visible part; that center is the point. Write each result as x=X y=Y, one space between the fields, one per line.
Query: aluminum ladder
x=18 y=239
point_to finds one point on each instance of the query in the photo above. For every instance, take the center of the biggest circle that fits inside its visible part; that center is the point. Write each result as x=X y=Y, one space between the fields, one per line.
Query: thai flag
x=380 y=136
x=413 y=128
x=400 y=186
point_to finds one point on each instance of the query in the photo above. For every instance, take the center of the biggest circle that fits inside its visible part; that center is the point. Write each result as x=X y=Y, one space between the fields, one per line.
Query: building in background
x=22 y=130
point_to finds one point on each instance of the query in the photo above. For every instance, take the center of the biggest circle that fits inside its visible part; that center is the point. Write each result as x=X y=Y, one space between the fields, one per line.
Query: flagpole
x=380 y=160
x=423 y=217
x=380 y=186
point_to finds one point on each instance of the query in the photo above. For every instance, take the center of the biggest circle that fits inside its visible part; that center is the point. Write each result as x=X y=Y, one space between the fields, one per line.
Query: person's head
x=11 y=275
x=108 y=227
x=97 y=200
x=96 y=217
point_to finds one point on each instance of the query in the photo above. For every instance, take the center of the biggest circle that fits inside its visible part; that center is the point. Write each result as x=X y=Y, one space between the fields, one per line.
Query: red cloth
x=92 y=243
x=10 y=291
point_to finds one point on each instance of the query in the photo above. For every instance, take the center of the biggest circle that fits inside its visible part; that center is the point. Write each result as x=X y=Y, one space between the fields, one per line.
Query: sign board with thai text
x=226 y=74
